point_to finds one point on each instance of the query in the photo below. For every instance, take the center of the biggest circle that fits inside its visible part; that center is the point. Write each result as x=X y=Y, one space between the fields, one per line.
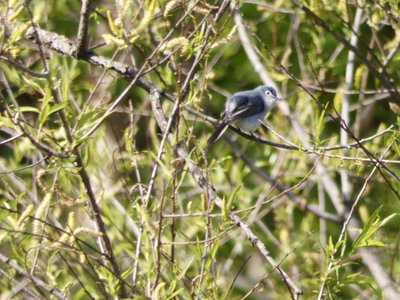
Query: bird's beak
x=278 y=99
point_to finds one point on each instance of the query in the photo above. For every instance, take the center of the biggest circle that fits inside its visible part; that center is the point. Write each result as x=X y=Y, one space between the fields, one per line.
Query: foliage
x=101 y=197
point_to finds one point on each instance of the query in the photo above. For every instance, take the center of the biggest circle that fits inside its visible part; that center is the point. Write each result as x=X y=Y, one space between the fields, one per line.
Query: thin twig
x=11 y=139
x=23 y=68
x=247 y=46
x=166 y=131
x=279 y=263
x=76 y=276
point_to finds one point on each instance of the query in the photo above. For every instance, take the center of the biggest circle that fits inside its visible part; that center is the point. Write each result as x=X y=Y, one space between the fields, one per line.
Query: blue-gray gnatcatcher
x=245 y=110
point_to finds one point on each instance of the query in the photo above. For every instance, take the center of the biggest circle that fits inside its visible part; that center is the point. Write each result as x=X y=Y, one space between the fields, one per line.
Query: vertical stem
x=344 y=176
x=82 y=40
x=322 y=221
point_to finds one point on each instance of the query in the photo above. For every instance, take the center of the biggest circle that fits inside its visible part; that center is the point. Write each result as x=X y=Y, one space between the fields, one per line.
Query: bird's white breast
x=250 y=123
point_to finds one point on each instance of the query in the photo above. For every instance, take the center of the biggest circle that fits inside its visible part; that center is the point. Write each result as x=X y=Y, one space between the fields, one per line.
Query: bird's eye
x=267 y=93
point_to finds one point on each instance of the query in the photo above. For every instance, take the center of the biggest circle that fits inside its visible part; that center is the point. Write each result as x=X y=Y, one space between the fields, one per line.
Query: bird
x=245 y=110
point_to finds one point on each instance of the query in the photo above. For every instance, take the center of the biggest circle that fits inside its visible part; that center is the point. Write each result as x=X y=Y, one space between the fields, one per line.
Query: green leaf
x=320 y=124
x=371 y=242
x=57 y=107
x=374 y=223
x=28 y=109
x=127 y=272
x=128 y=140
x=213 y=252
x=44 y=114
x=48 y=109
x=233 y=197
x=174 y=294
x=5 y=121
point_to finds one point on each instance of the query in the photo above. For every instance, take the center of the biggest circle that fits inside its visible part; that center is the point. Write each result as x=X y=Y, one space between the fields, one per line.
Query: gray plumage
x=245 y=110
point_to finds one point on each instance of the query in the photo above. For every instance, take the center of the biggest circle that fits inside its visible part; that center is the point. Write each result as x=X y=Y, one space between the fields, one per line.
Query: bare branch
x=82 y=40
x=345 y=113
x=65 y=46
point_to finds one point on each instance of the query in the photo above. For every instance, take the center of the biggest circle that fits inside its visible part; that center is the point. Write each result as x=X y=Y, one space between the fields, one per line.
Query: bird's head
x=269 y=94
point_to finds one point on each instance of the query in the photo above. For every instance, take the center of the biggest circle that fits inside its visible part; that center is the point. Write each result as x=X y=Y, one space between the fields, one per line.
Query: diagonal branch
x=65 y=46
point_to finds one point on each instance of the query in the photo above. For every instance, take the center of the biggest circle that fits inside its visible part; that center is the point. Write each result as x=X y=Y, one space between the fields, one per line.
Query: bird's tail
x=217 y=134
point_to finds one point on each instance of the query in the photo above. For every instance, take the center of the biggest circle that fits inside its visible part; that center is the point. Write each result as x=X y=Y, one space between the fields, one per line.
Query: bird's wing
x=245 y=108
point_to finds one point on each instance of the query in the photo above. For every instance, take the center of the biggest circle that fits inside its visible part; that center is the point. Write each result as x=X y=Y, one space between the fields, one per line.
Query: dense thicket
x=107 y=188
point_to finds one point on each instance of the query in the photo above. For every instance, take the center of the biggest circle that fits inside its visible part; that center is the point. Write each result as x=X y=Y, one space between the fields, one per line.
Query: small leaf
x=111 y=23
x=374 y=223
x=232 y=197
x=16 y=13
x=371 y=242
x=57 y=107
x=28 y=109
x=48 y=110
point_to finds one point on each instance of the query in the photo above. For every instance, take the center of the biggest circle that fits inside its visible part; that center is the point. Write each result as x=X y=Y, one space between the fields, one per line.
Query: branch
x=25 y=167
x=82 y=40
x=248 y=48
x=23 y=68
x=345 y=113
x=65 y=46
